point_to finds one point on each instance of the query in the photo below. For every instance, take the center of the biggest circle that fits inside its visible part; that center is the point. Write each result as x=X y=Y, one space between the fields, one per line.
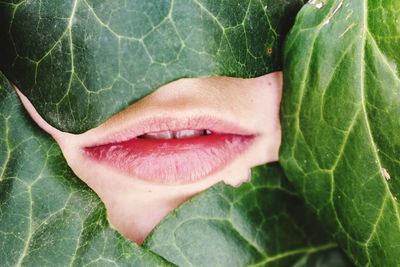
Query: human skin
x=136 y=205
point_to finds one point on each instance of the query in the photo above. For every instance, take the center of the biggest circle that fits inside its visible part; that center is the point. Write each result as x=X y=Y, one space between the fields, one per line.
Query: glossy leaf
x=261 y=223
x=81 y=61
x=47 y=216
x=341 y=122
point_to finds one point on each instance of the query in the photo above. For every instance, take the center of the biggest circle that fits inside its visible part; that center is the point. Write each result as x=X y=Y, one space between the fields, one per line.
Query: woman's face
x=180 y=140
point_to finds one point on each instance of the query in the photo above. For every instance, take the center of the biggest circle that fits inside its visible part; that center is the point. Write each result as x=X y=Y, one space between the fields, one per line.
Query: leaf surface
x=81 y=61
x=261 y=223
x=341 y=122
x=47 y=216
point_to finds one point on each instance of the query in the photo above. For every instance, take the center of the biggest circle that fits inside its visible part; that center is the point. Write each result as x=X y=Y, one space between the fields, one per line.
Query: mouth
x=172 y=151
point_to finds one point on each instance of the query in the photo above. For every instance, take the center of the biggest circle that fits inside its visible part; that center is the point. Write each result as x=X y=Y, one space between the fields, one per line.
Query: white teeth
x=175 y=134
x=159 y=135
x=188 y=133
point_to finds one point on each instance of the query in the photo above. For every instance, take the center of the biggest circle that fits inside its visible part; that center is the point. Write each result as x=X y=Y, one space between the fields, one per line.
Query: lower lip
x=174 y=161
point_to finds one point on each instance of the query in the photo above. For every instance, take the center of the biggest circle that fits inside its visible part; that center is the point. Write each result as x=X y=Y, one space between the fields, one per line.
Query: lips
x=172 y=151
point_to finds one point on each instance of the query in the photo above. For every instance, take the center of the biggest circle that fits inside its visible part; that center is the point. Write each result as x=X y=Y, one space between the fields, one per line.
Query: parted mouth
x=170 y=150
x=167 y=135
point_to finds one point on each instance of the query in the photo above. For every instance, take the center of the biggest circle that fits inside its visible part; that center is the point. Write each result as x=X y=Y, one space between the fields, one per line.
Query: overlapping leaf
x=81 y=61
x=262 y=223
x=47 y=216
x=341 y=122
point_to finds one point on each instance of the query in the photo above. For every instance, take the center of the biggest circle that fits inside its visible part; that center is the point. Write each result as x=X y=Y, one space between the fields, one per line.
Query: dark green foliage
x=47 y=216
x=261 y=223
x=81 y=61
x=341 y=123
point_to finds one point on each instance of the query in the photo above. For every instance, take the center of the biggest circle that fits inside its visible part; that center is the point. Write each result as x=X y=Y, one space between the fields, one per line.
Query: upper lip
x=159 y=124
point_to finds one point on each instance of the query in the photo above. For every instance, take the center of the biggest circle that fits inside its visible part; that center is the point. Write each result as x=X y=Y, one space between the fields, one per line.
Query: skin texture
x=135 y=206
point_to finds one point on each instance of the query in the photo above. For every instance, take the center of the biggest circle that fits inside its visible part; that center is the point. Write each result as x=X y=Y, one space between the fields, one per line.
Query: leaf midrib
x=364 y=109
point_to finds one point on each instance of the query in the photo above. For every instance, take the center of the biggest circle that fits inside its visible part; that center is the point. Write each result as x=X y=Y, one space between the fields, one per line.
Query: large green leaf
x=49 y=218
x=81 y=61
x=262 y=223
x=341 y=122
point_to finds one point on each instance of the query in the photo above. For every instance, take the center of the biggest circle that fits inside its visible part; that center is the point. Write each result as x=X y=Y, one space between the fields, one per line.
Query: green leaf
x=47 y=216
x=341 y=122
x=261 y=223
x=81 y=61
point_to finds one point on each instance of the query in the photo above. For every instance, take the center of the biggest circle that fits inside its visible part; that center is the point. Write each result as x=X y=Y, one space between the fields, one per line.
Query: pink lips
x=172 y=151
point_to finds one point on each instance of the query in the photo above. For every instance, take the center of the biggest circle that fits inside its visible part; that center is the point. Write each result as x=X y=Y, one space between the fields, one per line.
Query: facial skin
x=136 y=205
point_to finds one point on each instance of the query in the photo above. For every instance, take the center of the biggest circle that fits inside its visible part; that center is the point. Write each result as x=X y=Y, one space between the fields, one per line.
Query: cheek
x=268 y=104
x=258 y=101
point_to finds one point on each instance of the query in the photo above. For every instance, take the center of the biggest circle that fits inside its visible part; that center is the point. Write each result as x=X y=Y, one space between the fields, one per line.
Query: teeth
x=175 y=134
x=159 y=135
x=188 y=133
